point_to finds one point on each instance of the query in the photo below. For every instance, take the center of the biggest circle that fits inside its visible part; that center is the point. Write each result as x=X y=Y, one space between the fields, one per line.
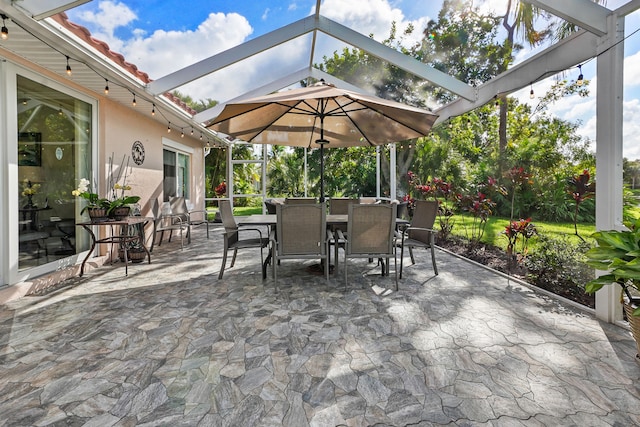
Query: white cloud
x=632 y=70
x=166 y=51
x=110 y=16
x=372 y=17
x=631 y=129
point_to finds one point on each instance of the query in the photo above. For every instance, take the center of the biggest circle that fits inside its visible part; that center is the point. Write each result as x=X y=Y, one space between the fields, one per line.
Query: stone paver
x=172 y=345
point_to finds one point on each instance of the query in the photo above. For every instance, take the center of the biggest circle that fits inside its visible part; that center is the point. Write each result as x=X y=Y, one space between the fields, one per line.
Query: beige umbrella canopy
x=321 y=115
x=301 y=117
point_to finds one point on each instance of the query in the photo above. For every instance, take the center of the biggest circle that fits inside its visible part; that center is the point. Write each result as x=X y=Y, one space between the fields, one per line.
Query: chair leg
x=401 y=258
x=224 y=262
x=274 y=269
x=433 y=259
x=395 y=262
x=413 y=261
x=207 y=225
x=153 y=238
x=233 y=260
x=345 y=270
x=189 y=233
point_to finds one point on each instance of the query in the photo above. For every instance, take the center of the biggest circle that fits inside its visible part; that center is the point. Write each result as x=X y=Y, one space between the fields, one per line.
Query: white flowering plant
x=84 y=191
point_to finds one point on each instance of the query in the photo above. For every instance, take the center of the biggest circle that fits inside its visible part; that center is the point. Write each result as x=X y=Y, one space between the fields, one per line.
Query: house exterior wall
x=116 y=128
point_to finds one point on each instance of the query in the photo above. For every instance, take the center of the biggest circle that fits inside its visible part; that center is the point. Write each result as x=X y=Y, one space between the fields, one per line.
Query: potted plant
x=96 y=206
x=119 y=207
x=618 y=253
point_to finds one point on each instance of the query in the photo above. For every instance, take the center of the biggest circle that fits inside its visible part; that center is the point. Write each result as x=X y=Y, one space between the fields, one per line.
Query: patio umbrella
x=322 y=115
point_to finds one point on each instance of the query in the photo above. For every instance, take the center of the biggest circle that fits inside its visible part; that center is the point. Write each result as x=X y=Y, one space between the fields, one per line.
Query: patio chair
x=191 y=217
x=420 y=233
x=164 y=220
x=369 y=201
x=340 y=205
x=370 y=234
x=232 y=238
x=301 y=233
x=300 y=201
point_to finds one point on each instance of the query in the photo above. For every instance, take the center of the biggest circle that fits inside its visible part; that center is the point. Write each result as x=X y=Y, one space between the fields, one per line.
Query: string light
x=181 y=133
x=200 y=136
x=169 y=128
x=531 y=94
x=106 y=87
x=68 y=67
x=4 y=34
x=191 y=131
x=580 y=80
x=153 y=109
x=134 y=100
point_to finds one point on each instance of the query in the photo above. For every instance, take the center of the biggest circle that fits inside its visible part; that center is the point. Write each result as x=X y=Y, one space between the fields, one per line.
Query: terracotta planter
x=97 y=214
x=634 y=321
x=121 y=212
x=134 y=255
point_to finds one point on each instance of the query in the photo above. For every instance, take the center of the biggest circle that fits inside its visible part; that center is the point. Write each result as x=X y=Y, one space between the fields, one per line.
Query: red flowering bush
x=221 y=189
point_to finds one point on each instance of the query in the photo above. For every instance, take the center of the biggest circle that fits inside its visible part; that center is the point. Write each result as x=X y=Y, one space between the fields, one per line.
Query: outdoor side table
x=121 y=238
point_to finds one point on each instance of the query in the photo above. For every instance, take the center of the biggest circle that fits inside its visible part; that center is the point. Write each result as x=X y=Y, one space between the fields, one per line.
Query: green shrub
x=559 y=262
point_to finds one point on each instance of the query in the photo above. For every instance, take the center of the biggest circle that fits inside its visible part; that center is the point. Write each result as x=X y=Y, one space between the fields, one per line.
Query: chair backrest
x=226 y=214
x=340 y=205
x=300 y=201
x=368 y=200
x=179 y=207
x=270 y=205
x=156 y=209
x=371 y=229
x=402 y=209
x=301 y=229
x=424 y=216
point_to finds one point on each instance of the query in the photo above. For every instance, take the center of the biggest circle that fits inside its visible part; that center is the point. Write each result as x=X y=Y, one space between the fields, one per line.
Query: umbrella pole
x=321 y=142
x=321 y=171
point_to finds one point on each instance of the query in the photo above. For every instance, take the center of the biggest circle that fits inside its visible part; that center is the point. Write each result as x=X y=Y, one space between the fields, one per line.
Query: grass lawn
x=494 y=231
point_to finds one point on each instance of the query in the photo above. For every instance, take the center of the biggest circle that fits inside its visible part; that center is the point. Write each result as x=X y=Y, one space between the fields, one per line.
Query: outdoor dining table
x=270 y=220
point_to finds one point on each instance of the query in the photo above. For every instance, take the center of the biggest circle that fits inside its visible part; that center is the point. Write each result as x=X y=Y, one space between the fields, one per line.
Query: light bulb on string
x=153 y=109
x=134 y=100
x=580 y=80
x=68 y=67
x=106 y=87
x=4 y=33
x=531 y=94
x=169 y=128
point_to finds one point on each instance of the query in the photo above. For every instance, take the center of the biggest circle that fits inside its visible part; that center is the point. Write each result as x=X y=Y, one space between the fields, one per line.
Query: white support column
x=609 y=150
x=230 y=165
x=393 y=172
x=378 y=172
x=265 y=153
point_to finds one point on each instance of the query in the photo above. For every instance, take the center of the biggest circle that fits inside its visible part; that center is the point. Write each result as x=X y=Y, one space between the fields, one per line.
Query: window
x=177 y=170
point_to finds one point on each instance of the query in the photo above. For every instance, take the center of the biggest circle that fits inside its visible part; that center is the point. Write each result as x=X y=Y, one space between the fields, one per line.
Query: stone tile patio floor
x=171 y=345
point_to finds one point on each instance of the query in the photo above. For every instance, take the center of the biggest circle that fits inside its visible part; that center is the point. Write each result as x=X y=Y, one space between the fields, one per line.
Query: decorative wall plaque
x=137 y=153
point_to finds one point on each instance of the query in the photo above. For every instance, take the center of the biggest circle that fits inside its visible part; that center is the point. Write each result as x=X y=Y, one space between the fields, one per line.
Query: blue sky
x=161 y=36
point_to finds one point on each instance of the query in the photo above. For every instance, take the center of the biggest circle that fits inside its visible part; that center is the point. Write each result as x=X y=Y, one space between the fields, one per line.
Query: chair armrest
x=341 y=235
x=405 y=232
x=202 y=211
x=250 y=229
x=172 y=217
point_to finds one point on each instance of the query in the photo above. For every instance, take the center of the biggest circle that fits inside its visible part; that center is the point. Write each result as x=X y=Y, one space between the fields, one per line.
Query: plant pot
x=634 y=322
x=97 y=214
x=134 y=255
x=121 y=212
